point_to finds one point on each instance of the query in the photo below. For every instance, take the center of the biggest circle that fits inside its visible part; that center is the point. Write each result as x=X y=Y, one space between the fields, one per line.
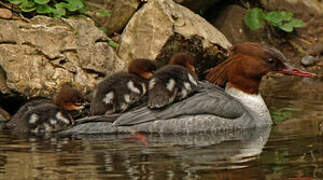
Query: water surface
x=293 y=149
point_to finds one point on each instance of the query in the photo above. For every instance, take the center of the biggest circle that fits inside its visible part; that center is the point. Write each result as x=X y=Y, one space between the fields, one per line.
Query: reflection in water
x=294 y=149
x=166 y=157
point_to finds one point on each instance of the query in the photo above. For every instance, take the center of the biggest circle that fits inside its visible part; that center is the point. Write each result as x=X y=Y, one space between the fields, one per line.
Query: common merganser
x=211 y=108
x=42 y=116
x=172 y=82
x=118 y=92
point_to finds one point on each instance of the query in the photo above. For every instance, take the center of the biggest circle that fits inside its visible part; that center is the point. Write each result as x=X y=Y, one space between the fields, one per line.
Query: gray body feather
x=210 y=109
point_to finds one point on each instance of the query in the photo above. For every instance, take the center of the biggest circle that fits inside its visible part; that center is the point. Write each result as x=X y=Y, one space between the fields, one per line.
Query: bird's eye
x=270 y=60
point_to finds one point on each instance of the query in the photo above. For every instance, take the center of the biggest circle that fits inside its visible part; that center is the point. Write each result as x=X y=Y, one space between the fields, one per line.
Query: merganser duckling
x=119 y=91
x=173 y=82
x=211 y=108
x=43 y=116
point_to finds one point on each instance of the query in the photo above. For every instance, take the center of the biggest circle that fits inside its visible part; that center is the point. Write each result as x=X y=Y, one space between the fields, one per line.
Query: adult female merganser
x=211 y=108
x=43 y=116
x=172 y=82
x=119 y=91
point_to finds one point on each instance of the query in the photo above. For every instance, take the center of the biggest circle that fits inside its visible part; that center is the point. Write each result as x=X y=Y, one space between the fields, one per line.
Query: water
x=291 y=150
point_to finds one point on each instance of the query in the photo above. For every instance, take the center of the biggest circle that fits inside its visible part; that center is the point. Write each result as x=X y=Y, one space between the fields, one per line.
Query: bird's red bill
x=297 y=72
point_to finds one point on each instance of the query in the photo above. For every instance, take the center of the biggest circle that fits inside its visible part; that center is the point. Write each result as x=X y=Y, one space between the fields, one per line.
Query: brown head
x=69 y=98
x=142 y=67
x=247 y=64
x=184 y=60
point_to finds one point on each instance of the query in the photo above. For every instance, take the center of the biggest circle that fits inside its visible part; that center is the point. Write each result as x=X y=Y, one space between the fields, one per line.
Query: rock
x=230 y=21
x=303 y=39
x=198 y=6
x=39 y=56
x=4 y=115
x=303 y=7
x=317 y=49
x=3 y=82
x=121 y=12
x=160 y=21
x=308 y=60
x=5 y=13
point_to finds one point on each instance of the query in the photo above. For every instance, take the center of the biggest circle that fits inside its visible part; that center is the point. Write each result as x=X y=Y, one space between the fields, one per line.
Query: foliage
x=280 y=115
x=282 y=19
x=110 y=41
x=55 y=8
x=113 y=44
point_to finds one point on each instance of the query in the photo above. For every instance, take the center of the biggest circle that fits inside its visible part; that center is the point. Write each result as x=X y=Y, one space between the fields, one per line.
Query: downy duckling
x=173 y=82
x=119 y=91
x=43 y=116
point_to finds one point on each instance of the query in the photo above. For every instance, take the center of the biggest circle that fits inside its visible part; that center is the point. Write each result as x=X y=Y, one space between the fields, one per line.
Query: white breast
x=254 y=102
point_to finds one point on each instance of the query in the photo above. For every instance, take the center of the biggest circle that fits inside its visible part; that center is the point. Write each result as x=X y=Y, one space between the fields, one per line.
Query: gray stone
x=308 y=60
x=296 y=6
x=39 y=56
x=5 y=13
x=4 y=116
x=230 y=21
x=121 y=12
x=157 y=21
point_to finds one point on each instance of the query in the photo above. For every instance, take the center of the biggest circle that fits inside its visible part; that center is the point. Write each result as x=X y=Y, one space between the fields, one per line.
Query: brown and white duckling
x=119 y=91
x=43 y=116
x=173 y=82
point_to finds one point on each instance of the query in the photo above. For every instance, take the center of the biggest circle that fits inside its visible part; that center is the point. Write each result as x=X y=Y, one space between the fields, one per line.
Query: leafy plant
x=280 y=115
x=50 y=7
x=110 y=41
x=284 y=20
x=55 y=8
x=113 y=44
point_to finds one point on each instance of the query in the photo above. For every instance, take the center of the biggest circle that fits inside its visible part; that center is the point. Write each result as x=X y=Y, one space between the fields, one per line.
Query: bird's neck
x=254 y=103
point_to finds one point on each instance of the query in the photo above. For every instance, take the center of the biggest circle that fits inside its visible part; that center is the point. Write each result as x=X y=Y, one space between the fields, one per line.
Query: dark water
x=292 y=150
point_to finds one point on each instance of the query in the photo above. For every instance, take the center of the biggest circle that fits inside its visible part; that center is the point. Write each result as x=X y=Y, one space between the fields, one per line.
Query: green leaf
x=297 y=22
x=82 y=11
x=16 y=2
x=59 y=10
x=105 y=13
x=286 y=27
x=286 y=16
x=44 y=9
x=41 y=1
x=113 y=44
x=279 y=116
x=289 y=27
x=274 y=18
x=253 y=18
x=277 y=168
x=74 y=5
x=105 y=30
x=27 y=6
